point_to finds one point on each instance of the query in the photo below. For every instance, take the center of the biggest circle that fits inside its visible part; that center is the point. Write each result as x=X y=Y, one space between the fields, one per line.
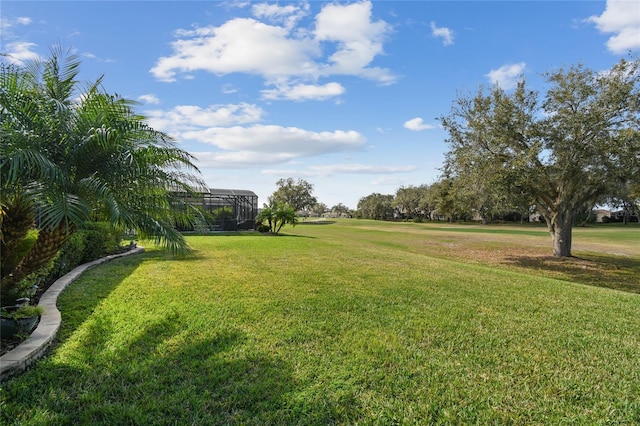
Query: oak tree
x=297 y=194
x=562 y=149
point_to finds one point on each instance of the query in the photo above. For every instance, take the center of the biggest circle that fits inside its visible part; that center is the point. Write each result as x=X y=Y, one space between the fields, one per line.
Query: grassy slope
x=352 y=322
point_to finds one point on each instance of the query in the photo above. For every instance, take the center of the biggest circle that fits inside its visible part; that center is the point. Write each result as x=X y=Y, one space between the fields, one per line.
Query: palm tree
x=277 y=214
x=284 y=214
x=266 y=215
x=71 y=154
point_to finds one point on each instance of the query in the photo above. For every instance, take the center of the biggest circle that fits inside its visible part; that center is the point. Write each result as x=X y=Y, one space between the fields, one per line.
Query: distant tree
x=276 y=215
x=414 y=201
x=319 y=208
x=626 y=198
x=562 y=152
x=298 y=194
x=447 y=201
x=407 y=201
x=376 y=206
x=427 y=200
x=340 y=209
x=479 y=200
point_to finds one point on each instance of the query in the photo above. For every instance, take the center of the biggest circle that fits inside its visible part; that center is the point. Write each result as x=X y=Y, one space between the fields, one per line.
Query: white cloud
x=345 y=41
x=340 y=169
x=359 y=40
x=283 y=172
x=360 y=169
x=304 y=92
x=256 y=144
x=6 y=24
x=287 y=15
x=228 y=89
x=623 y=19
x=270 y=138
x=20 y=52
x=442 y=32
x=149 y=98
x=16 y=50
x=259 y=144
x=23 y=20
x=96 y=57
x=237 y=159
x=183 y=118
x=239 y=45
x=417 y=124
x=506 y=76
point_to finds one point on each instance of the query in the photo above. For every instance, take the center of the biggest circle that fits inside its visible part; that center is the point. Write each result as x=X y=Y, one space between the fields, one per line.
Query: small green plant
x=274 y=216
x=26 y=311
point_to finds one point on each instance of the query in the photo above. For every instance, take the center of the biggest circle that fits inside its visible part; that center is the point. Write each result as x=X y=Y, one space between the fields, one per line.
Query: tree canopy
x=561 y=150
x=297 y=194
x=376 y=206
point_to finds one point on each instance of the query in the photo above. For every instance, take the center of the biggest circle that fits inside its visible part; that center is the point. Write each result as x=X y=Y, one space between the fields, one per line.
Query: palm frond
x=62 y=208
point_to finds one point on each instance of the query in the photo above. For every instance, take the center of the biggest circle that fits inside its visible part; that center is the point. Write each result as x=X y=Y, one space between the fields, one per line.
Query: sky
x=345 y=95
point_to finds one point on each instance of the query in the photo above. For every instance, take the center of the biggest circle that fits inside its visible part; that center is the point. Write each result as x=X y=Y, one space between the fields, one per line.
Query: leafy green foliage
x=298 y=194
x=95 y=240
x=415 y=202
x=340 y=209
x=273 y=217
x=376 y=206
x=559 y=153
x=75 y=154
x=319 y=209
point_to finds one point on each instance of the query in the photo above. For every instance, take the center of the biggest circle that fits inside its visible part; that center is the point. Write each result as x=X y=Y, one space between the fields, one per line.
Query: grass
x=349 y=322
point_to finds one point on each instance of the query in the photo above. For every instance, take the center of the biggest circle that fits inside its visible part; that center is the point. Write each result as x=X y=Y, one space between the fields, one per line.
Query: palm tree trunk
x=16 y=219
x=47 y=245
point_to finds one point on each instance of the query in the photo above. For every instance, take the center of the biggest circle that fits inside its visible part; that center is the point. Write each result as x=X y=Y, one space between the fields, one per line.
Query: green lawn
x=350 y=322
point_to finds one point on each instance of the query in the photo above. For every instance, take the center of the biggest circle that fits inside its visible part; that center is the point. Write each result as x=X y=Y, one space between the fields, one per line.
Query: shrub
x=94 y=246
x=69 y=257
x=101 y=239
x=262 y=227
x=95 y=240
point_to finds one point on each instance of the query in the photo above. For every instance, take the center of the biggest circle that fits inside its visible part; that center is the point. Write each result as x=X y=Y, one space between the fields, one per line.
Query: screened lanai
x=226 y=209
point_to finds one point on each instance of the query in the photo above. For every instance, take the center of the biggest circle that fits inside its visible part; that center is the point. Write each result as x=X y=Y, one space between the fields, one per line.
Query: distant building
x=601 y=214
x=225 y=209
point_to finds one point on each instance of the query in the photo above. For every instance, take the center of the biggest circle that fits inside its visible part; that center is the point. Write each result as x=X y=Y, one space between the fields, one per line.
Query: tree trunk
x=47 y=245
x=16 y=221
x=560 y=227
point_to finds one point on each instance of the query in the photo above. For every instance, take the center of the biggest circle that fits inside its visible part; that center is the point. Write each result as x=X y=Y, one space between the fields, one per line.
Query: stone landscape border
x=34 y=347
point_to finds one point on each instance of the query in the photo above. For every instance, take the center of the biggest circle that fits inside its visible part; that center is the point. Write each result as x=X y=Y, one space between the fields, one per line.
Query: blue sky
x=345 y=95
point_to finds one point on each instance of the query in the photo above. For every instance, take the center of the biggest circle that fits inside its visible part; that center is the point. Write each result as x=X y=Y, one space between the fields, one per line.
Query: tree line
x=556 y=153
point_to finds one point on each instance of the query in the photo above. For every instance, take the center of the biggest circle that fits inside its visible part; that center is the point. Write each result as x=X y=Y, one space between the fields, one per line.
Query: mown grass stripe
x=336 y=324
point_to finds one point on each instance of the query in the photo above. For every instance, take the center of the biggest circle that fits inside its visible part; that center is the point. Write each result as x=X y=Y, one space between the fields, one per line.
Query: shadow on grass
x=166 y=255
x=163 y=371
x=202 y=380
x=616 y=272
